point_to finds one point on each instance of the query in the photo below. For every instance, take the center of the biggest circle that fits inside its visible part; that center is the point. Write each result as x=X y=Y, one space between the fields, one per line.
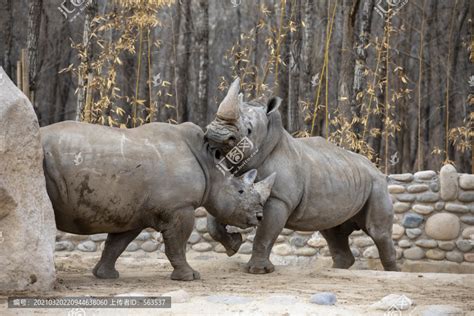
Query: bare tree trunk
x=239 y=40
x=82 y=77
x=470 y=101
x=7 y=36
x=294 y=117
x=183 y=56
x=34 y=24
x=176 y=36
x=284 y=59
x=406 y=140
x=306 y=67
x=202 y=39
x=346 y=76
x=377 y=119
x=360 y=64
x=256 y=52
x=459 y=115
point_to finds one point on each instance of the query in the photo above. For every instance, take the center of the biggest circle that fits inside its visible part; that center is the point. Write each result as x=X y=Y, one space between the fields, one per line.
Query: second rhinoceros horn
x=229 y=107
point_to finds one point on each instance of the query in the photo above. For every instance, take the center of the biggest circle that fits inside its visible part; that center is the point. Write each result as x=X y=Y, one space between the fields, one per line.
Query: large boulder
x=27 y=226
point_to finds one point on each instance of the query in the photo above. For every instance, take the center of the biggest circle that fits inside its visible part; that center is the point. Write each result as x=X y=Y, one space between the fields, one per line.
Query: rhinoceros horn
x=229 y=107
x=264 y=187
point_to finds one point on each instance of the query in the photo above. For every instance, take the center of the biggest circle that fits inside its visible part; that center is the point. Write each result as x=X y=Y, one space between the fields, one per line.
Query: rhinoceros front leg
x=275 y=215
x=114 y=246
x=230 y=241
x=176 y=233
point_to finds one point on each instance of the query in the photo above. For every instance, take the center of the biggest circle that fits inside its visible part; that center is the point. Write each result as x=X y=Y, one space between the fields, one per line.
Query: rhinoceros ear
x=273 y=104
x=264 y=187
x=249 y=177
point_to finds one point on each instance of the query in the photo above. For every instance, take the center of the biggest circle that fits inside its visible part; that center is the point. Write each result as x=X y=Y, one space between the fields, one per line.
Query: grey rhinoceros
x=319 y=186
x=116 y=181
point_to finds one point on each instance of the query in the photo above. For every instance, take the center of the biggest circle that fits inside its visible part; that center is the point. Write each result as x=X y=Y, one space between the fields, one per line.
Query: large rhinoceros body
x=331 y=184
x=109 y=180
x=319 y=186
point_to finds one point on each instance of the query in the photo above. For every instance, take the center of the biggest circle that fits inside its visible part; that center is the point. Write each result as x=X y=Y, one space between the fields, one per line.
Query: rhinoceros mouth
x=223 y=146
x=221 y=134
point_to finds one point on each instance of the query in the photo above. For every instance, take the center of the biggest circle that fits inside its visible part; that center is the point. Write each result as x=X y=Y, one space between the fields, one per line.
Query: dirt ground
x=287 y=291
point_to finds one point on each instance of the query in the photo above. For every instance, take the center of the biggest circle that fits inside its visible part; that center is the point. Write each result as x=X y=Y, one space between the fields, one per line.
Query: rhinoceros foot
x=185 y=274
x=103 y=272
x=233 y=244
x=260 y=266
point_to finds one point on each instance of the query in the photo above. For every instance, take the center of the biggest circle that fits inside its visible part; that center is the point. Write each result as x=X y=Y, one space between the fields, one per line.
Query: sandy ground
x=285 y=292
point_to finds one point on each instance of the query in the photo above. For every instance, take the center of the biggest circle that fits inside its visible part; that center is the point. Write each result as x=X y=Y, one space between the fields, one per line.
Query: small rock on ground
x=323 y=298
x=393 y=301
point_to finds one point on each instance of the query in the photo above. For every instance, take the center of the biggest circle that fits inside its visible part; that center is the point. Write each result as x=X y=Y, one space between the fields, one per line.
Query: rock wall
x=433 y=229
x=27 y=226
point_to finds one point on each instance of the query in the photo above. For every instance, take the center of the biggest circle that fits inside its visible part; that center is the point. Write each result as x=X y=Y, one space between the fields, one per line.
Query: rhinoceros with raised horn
x=109 y=180
x=319 y=186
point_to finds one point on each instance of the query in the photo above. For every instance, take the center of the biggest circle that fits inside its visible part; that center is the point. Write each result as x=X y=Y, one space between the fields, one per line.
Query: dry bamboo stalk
x=150 y=86
x=279 y=40
x=387 y=90
x=87 y=106
x=137 y=85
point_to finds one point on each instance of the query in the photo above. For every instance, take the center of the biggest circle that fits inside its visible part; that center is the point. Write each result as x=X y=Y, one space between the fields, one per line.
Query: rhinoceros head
x=236 y=119
x=240 y=201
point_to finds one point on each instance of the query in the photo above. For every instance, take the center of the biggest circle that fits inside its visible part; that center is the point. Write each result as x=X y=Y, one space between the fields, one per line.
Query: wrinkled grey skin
x=116 y=181
x=319 y=186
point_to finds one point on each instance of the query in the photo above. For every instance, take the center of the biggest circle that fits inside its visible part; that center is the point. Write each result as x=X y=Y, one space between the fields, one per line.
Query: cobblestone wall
x=434 y=222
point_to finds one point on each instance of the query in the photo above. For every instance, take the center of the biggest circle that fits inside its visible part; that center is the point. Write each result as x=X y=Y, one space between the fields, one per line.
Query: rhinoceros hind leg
x=230 y=241
x=176 y=233
x=104 y=272
x=379 y=225
x=338 y=243
x=114 y=246
x=387 y=253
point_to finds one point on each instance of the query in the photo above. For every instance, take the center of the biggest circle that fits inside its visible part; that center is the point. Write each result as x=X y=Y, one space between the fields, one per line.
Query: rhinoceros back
x=103 y=179
x=337 y=183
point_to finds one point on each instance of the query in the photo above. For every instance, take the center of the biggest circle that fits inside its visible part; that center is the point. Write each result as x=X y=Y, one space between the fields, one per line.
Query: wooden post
x=25 y=73
x=19 y=77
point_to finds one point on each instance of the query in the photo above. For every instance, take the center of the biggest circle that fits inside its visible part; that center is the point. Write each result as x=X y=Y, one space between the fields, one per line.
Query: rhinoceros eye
x=241 y=191
x=249 y=131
